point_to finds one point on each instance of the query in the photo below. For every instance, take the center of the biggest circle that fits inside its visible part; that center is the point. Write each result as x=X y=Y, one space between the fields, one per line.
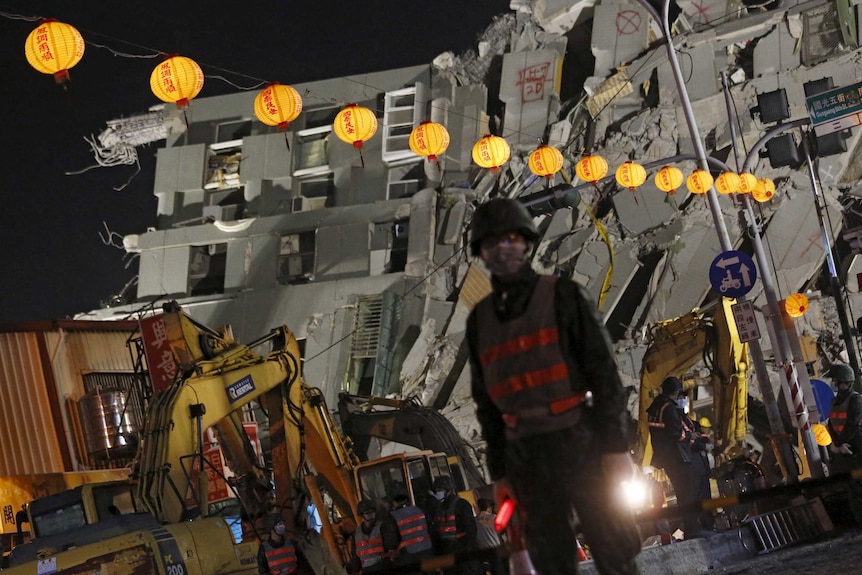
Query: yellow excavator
x=161 y=522
x=678 y=345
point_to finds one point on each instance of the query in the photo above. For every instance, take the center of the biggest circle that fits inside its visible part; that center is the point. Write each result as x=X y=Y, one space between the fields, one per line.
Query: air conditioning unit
x=299 y=204
x=303 y=204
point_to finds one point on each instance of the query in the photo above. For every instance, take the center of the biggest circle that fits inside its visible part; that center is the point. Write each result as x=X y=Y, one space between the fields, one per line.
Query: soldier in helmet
x=549 y=400
x=369 y=554
x=845 y=427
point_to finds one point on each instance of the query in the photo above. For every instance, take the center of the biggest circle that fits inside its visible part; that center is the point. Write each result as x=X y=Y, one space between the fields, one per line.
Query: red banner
x=160 y=359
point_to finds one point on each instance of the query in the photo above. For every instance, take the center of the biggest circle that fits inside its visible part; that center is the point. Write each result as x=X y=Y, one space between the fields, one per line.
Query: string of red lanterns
x=54 y=47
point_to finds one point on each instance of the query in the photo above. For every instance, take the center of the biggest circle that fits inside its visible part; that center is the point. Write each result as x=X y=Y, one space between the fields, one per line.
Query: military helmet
x=670 y=385
x=499 y=216
x=842 y=372
x=366 y=505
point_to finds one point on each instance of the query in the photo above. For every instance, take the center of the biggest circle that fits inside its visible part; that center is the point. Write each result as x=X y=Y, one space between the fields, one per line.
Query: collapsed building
x=364 y=259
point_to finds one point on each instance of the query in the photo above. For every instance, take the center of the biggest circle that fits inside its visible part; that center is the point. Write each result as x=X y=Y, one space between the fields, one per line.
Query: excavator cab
x=412 y=473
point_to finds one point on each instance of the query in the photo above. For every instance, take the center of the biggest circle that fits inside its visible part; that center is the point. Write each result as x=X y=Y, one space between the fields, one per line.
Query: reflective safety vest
x=280 y=560
x=413 y=529
x=838 y=414
x=523 y=366
x=369 y=547
x=447 y=526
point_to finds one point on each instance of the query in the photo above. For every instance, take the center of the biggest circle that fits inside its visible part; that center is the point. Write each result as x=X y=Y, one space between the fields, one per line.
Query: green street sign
x=833 y=104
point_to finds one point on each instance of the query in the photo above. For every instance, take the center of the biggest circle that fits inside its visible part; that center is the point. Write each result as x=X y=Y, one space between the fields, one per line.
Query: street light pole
x=789 y=370
x=787 y=462
x=834 y=282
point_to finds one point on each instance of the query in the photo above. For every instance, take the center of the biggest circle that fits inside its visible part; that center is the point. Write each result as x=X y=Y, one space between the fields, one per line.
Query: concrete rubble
x=622 y=104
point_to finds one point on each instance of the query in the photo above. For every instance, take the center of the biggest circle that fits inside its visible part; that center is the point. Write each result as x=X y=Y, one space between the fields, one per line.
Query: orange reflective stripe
x=419 y=539
x=528 y=380
x=567 y=403
x=520 y=344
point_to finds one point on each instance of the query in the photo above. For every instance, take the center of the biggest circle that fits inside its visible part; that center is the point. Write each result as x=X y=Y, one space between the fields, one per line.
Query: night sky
x=54 y=262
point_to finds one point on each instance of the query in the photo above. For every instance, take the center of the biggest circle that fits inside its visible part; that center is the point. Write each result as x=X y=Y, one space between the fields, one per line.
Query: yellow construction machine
x=162 y=523
x=678 y=345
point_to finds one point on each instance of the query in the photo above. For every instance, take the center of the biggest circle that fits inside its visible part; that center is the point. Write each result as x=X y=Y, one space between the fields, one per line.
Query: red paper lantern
x=668 y=179
x=699 y=182
x=277 y=105
x=355 y=125
x=630 y=175
x=429 y=140
x=591 y=168
x=491 y=152
x=54 y=47
x=727 y=183
x=546 y=161
x=764 y=190
x=796 y=305
x=177 y=80
x=747 y=183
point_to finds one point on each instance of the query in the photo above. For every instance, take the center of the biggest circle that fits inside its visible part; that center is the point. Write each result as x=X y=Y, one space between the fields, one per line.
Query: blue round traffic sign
x=732 y=274
x=823 y=396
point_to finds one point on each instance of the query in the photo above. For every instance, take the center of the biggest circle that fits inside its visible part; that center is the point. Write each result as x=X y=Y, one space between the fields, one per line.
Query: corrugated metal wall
x=30 y=442
x=28 y=439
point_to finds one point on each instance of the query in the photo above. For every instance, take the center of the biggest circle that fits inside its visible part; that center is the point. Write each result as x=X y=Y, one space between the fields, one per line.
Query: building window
x=370 y=365
x=314 y=193
x=207 y=269
x=224 y=205
x=233 y=131
x=223 y=163
x=388 y=248
x=296 y=258
x=311 y=143
x=400 y=115
x=405 y=180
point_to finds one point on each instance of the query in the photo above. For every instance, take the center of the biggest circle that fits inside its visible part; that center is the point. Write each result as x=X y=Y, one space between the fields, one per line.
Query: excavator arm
x=681 y=343
x=217 y=377
x=210 y=391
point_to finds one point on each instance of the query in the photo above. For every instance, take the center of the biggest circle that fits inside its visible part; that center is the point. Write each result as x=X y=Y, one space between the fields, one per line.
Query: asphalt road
x=840 y=554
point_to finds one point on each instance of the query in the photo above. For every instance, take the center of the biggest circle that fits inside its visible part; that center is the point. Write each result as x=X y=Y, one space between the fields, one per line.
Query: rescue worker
x=406 y=537
x=487 y=536
x=276 y=555
x=701 y=490
x=673 y=440
x=845 y=427
x=455 y=525
x=537 y=349
x=368 y=541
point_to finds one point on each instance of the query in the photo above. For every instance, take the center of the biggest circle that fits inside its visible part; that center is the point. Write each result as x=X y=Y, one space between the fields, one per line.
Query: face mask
x=505 y=260
x=439 y=495
x=279 y=529
x=683 y=403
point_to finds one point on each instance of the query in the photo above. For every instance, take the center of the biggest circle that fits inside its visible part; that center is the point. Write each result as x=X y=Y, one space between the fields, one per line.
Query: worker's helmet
x=670 y=385
x=499 y=216
x=443 y=482
x=705 y=422
x=365 y=505
x=841 y=372
x=272 y=520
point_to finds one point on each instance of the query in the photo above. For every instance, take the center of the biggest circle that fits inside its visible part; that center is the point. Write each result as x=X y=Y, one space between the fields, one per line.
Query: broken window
x=315 y=193
x=369 y=369
x=311 y=144
x=207 y=269
x=296 y=258
x=388 y=247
